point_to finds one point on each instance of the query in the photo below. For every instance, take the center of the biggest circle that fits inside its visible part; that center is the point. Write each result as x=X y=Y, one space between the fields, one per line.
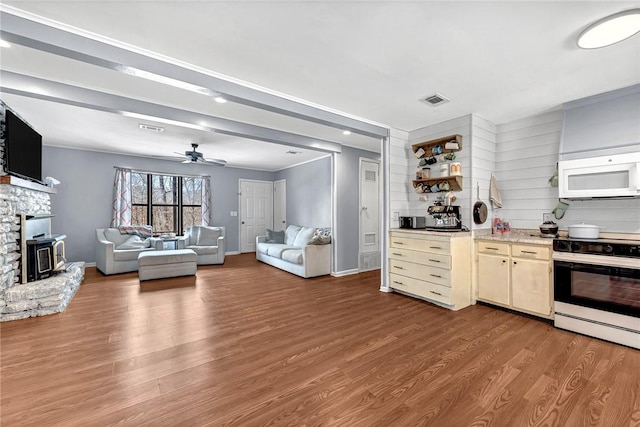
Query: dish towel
x=494 y=193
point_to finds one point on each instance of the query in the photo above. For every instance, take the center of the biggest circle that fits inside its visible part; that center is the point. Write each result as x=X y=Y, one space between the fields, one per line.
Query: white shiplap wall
x=526 y=156
x=399 y=182
x=483 y=152
x=462 y=126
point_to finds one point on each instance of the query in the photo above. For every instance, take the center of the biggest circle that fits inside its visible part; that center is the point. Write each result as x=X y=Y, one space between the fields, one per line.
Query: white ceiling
x=503 y=60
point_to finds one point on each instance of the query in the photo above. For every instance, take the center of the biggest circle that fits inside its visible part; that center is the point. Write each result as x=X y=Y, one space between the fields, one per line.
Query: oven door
x=602 y=287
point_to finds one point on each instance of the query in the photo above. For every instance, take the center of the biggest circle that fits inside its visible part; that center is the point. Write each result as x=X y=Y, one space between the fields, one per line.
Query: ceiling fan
x=194 y=156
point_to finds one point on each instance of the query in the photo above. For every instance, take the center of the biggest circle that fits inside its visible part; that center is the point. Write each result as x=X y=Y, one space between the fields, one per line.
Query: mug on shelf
x=444 y=186
x=437 y=149
x=455 y=168
x=434 y=188
x=444 y=169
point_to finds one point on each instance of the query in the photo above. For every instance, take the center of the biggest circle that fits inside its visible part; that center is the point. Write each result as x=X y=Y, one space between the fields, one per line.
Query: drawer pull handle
x=398 y=243
x=436 y=293
x=529 y=252
x=398 y=267
x=435 y=247
x=398 y=283
x=491 y=249
x=435 y=275
x=434 y=260
x=396 y=254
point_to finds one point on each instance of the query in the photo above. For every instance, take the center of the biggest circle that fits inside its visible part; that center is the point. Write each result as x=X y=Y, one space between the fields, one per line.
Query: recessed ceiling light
x=4 y=43
x=346 y=132
x=610 y=30
x=220 y=99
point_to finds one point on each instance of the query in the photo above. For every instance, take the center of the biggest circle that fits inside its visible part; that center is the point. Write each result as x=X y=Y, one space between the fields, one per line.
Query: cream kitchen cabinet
x=432 y=266
x=516 y=276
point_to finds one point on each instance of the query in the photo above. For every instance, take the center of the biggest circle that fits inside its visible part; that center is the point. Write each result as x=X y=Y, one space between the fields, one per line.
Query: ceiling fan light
x=220 y=99
x=610 y=30
x=346 y=132
x=4 y=43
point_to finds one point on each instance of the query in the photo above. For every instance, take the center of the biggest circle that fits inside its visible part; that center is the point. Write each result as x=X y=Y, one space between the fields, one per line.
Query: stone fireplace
x=25 y=236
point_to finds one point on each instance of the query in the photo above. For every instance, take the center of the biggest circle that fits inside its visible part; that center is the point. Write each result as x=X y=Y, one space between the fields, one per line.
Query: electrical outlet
x=396 y=216
x=234 y=213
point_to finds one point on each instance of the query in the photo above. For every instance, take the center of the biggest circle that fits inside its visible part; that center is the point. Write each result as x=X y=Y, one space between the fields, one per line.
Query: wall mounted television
x=22 y=148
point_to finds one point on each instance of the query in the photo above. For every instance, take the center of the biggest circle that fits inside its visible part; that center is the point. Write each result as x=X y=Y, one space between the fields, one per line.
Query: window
x=173 y=204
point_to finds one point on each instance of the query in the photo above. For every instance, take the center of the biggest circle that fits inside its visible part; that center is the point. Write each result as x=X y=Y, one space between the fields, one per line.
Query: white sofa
x=207 y=242
x=296 y=255
x=110 y=259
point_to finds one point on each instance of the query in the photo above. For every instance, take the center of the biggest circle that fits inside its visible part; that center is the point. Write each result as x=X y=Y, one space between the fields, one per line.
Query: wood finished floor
x=247 y=344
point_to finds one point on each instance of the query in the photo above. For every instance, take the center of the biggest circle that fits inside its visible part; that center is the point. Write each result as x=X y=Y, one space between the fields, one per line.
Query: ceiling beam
x=58 y=41
x=19 y=84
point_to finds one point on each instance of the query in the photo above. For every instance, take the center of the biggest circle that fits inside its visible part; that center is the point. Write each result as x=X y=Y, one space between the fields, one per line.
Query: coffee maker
x=444 y=218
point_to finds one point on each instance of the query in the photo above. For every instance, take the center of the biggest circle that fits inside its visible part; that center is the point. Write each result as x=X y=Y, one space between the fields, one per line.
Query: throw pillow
x=275 y=236
x=139 y=230
x=208 y=236
x=321 y=236
x=135 y=242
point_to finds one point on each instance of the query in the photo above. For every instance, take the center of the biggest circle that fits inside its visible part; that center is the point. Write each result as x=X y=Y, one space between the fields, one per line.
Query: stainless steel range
x=597 y=288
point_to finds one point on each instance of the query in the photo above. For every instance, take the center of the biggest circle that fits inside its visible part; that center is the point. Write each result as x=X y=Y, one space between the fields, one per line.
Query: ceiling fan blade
x=187 y=161
x=180 y=154
x=218 y=162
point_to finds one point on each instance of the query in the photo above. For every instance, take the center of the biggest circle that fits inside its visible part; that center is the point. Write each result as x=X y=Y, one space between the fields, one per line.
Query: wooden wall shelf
x=454 y=181
x=428 y=145
x=24 y=183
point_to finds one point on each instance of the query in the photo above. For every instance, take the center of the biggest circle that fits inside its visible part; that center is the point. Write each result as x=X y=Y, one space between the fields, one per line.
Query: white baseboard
x=345 y=272
x=232 y=253
x=89 y=264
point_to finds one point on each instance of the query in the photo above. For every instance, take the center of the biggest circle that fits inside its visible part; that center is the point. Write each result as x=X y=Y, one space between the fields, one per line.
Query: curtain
x=121 y=198
x=206 y=200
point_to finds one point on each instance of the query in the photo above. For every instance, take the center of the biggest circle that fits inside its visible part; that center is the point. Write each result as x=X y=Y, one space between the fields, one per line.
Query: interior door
x=256 y=212
x=280 y=205
x=370 y=256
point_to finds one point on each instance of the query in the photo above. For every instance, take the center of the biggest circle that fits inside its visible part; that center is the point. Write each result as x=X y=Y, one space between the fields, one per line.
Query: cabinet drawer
x=534 y=252
x=420 y=271
x=493 y=248
x=432 y=246
x=420 y=288
x=436 y=260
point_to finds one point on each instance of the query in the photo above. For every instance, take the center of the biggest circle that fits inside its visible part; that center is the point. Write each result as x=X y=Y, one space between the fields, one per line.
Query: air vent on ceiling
x=151 y=127
x=294 y=152
x=435 y=99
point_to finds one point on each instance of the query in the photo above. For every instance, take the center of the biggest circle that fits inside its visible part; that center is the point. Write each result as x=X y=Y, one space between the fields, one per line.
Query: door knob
x=243 y=222
x=364 y=208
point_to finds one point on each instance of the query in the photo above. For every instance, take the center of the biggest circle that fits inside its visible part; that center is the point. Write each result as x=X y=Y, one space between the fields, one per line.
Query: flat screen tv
x=22 y=148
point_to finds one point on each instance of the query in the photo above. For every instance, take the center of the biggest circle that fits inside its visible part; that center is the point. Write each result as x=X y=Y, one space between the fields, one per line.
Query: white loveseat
x=296 y=254
x=110 y=259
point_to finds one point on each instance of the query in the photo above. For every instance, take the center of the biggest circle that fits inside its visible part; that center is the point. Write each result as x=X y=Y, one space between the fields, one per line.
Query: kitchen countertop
x=433 y=233
x=515 y=236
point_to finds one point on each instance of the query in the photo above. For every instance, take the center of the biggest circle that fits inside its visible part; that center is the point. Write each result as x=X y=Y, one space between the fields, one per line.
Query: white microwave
x=606 y=176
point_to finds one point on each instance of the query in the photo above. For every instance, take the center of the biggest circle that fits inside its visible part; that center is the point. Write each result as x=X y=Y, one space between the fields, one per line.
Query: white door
x=370 y=256
x=256 y=212
x=280 y=205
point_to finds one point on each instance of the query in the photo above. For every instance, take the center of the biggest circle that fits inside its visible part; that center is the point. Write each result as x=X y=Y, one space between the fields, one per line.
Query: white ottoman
x=172 y=263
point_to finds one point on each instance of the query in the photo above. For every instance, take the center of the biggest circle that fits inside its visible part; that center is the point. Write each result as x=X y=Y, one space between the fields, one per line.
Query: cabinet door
x=530 y=283
x=493 y=278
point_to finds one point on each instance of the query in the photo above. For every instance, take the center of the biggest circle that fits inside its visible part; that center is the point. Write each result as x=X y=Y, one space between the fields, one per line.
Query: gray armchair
x=111 y=255
x=207 y=242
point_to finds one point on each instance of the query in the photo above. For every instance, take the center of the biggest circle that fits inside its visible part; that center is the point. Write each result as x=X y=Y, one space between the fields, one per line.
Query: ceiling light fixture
x=150 y=127
x=166 y=80
x=610 y=30
x=163 y=120
x=346 y=132
x=220 y=99
x=4 y=43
